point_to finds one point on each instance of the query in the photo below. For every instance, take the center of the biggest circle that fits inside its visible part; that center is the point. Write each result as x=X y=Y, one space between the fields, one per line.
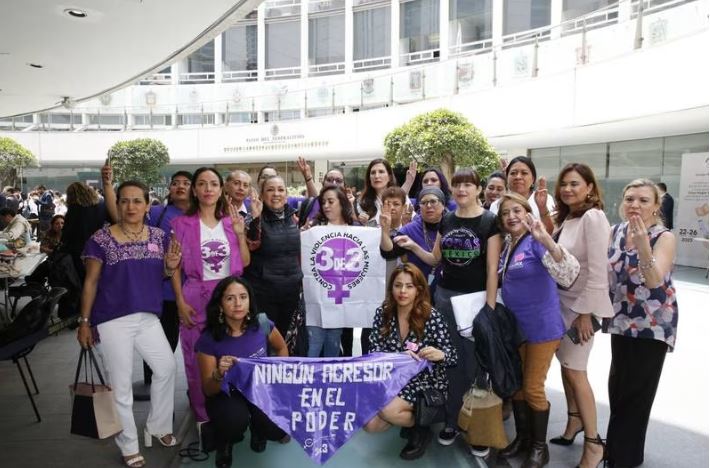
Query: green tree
x=139 y=159
x=441 y=138
x=13 y=157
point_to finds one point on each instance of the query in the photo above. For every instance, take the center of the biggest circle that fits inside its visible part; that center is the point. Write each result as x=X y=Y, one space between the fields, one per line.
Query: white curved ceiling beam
x=118 y=42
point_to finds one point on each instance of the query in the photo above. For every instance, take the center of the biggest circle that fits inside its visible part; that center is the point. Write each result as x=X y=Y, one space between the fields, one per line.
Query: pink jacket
x=187 y=231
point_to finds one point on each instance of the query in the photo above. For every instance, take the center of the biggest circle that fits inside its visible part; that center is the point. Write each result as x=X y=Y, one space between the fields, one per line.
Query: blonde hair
x=514 y=197
x=638 y=183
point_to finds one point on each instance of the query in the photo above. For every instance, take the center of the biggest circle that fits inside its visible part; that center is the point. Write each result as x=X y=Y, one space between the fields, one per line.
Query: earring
x=589 y=197
x=655 y=213
x=221 y=316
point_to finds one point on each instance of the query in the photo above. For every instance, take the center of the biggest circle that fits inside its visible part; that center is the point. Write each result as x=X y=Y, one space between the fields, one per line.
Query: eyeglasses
x=334 y=180
x=429 y=202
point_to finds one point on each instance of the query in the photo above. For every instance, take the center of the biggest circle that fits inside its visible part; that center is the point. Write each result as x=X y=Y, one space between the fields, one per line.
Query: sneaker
x=448 y=435
x=480 y=452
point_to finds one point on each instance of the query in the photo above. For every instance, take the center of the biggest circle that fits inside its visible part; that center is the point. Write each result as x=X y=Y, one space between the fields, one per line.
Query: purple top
x=530 y=293
x=251 y=344
x=131 y=275
x=164 y=214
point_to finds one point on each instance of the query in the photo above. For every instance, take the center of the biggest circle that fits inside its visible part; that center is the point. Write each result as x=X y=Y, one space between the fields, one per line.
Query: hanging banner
x=343 y=275
x=691 y=224
x=322 y=402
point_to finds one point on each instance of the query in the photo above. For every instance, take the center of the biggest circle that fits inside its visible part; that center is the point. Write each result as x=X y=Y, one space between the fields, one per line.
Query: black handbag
x=429 y=408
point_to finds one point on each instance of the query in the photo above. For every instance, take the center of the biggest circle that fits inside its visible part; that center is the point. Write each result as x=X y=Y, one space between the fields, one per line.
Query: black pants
x=171 y=326
x=346 y=342
x=231 y=415
x=279 y=306
x=636 y=366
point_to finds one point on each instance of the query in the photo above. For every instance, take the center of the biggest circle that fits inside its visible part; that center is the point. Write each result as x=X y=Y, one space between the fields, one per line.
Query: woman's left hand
x=237 y=219
x=541 y=195
x=224 y=364
x=431 y=354
x=583 y=324
x=304 y=168
x=536 y=228
x=256 y=204
x=173 y=255
x=639 y=234
x=407 y=214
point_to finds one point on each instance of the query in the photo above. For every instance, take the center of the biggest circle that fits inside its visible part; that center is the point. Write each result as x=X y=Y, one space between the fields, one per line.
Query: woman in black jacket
x=275 y=242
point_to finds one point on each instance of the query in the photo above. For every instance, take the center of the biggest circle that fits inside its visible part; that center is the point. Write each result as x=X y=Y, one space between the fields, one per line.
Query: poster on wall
x=343 y=275
x=691 y=226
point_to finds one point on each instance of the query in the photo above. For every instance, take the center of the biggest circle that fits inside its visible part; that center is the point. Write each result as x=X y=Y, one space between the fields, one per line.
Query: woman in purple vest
x=213 y=247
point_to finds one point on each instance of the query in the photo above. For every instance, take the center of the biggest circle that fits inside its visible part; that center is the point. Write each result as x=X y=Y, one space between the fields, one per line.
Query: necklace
x=132 y=236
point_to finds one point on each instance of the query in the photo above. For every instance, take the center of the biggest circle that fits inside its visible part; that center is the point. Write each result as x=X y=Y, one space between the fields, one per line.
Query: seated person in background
x=53 y=236
x=406 y=322
x=17 y=228
x=233 y=331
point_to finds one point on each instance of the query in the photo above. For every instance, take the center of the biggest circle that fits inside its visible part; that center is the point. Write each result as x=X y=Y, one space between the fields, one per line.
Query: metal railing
x=481 y=46
x=282 y=73
x=197 y=78
x=157 y=79
x=326 y=69
x=423 y=56
x=239 y=75
x=376 y=63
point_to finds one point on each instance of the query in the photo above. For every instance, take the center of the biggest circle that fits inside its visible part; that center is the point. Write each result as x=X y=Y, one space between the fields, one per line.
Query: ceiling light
x=35 y=65
x=75 y=13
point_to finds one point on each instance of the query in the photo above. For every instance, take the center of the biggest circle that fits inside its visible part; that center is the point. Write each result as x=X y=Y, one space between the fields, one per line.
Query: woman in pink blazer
x=213 y=247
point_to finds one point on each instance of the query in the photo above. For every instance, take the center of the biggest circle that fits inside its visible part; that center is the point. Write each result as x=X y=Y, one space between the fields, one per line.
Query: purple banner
x=322 y=402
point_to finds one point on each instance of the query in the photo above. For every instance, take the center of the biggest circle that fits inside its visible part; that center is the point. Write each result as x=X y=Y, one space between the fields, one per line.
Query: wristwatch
x=81 y=320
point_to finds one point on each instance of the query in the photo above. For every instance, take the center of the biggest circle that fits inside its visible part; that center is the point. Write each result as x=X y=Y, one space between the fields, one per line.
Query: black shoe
x=539 y=454
x=223 y=456
x=598 y=441
x=562 y=440
x=257 y=443
x=521 y=443
x=404 y=432
x=416 y=446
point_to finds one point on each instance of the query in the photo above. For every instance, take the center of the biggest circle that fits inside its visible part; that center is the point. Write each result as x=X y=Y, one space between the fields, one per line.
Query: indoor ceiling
x=50 y=50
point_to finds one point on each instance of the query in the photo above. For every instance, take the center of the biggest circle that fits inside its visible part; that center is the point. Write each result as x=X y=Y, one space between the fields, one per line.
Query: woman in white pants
x=120 y=310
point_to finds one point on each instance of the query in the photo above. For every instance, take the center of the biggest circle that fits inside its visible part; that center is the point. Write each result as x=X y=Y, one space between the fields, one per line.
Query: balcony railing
x=326 y=69
x=239 y=75
x=424 y=56
x=481 y=46
x=197 y=78
x=283 y=73
x=376 y=63
x=157 y=79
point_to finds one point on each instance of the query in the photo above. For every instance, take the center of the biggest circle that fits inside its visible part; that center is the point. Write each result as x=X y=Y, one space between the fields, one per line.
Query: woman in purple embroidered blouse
x=213 y=247
x=122 y=302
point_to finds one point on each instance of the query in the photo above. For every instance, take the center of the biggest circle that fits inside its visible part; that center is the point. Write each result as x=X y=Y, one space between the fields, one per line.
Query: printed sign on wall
x=691 y=224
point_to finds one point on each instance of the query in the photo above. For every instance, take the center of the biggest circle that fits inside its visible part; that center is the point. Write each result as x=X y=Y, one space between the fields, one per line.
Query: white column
x=304 y=38
x=394 y=31
x=218 y=59
x=556 y=18
x=444 y=30
x=624 y=11
x=349 y=38
x=175 y=73
x=261 y=42
x=497 y=23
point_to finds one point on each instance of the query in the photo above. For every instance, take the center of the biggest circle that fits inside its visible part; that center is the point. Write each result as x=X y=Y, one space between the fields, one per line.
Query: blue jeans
x=325 y=339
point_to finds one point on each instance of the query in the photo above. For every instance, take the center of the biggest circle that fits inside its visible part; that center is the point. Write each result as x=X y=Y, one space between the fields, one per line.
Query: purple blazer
x=187 y=232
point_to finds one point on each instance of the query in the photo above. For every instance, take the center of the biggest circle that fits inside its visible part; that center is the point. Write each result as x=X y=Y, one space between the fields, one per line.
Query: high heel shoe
x=148 y=439
x=597 y=441
x=562 y=440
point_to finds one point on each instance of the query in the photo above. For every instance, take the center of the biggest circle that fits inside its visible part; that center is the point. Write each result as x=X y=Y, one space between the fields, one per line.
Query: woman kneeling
x=233 y=331
x=406 y=322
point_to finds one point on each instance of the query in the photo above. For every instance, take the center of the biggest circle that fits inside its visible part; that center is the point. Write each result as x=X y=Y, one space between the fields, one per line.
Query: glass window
x=593 y=156
x=195 y=119
x=419 y=26
x=239 y=48
x=241 y=117
x=636 y=158
x=470 y=21
x=573 y=8
x=371 y=30
x=202 y=60
x=105 y=119
x=522 y=15
x=547 y=162
x=283 y=44
x=273 y=116
x=326 y=39
x=158 y=119
x=675 y=146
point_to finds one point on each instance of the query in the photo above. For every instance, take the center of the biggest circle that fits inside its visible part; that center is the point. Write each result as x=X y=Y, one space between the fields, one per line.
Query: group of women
x=225 y=270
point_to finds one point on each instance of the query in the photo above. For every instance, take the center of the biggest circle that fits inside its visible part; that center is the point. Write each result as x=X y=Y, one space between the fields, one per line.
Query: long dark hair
x=369 y=195
x=214 y=308
x=594 y=200
x=443 y=183
x=528 y=162
x=346 y=208
x=421 y=310
x=195 y=203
